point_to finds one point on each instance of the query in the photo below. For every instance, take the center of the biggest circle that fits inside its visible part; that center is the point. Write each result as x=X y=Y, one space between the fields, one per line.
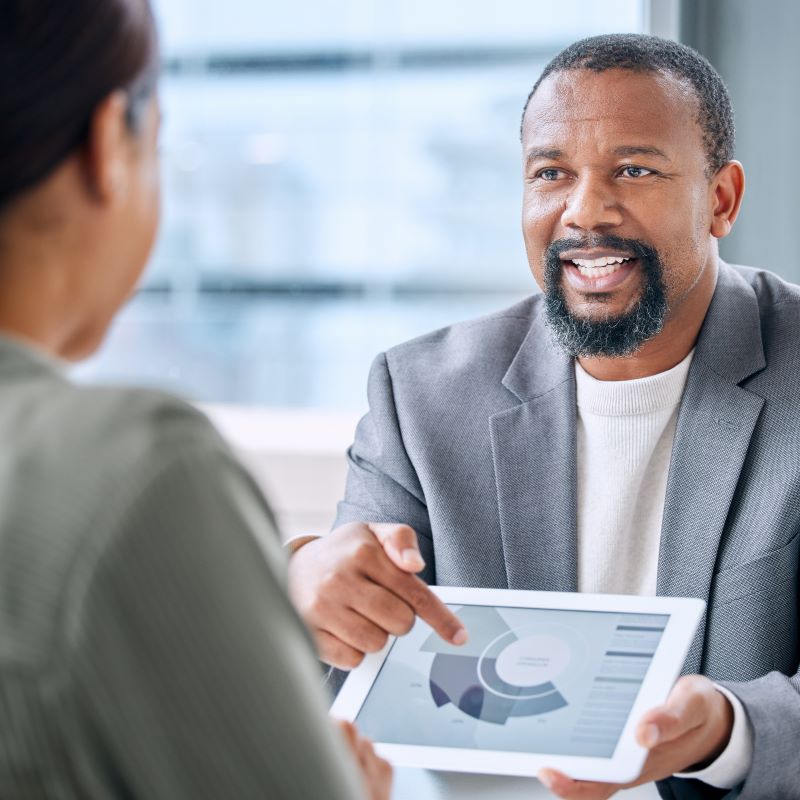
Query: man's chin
x=601 y=309
x=602 y=334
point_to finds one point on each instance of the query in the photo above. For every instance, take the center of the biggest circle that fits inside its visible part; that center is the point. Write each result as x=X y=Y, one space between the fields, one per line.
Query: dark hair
x=640 y=53
x=58 y=60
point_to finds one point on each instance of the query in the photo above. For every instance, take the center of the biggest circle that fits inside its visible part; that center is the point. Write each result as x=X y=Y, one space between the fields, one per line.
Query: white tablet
x=547 y=679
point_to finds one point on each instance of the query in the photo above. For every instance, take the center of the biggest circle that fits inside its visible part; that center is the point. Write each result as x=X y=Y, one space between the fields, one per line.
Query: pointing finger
x=429 y=607
x=400 y=544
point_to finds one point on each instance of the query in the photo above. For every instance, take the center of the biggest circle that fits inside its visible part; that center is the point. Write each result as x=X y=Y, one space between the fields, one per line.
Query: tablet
x=547 y=679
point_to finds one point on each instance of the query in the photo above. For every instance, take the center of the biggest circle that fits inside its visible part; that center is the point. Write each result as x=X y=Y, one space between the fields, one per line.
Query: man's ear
x=727 y=192
x=106 y=151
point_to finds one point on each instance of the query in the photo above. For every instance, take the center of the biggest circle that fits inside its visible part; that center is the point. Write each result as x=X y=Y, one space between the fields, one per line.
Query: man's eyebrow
x=640 y=150
x=548 y=153
x=624 y=151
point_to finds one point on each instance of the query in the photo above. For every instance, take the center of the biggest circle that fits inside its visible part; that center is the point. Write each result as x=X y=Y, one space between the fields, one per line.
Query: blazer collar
x=730 y=340
x=533 y=451
x=539 y=364
x=717 y=419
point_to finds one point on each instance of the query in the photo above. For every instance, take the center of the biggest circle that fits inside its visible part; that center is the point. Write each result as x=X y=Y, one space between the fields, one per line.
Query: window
x=338 y=177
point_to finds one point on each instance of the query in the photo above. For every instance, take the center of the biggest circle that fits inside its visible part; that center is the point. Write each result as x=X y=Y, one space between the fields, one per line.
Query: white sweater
x=625 y=435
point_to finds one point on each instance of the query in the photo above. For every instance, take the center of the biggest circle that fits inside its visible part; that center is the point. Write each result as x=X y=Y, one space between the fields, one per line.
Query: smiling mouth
x=599 y=267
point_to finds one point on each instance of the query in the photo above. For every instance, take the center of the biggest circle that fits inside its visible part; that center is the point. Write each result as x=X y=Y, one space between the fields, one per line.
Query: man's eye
x=549 y=174
x=636 y=172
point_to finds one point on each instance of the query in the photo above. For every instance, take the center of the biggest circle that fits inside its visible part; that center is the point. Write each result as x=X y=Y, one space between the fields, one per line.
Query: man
x=632 y=429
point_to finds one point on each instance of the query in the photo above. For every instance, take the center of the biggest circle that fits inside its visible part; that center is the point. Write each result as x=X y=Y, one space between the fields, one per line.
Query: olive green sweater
x=147 y=645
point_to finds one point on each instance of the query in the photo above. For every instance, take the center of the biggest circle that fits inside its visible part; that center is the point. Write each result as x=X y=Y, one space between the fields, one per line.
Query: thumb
x=400 y=544
x=686 y=709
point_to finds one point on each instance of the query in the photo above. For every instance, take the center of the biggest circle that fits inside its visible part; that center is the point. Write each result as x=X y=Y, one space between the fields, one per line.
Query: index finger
x=428 y=606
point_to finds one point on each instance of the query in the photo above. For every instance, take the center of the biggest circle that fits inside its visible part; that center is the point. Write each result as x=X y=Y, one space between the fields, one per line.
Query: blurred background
x=342 y=175
x=339 y=176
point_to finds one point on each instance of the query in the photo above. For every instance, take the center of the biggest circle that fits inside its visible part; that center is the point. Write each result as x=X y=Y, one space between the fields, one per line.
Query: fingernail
x=412 y=558
x=460 y=637
x=650 y=736
x=546 y=779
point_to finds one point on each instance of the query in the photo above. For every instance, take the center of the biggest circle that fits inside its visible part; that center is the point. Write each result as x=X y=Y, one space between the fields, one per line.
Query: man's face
x=617 y=205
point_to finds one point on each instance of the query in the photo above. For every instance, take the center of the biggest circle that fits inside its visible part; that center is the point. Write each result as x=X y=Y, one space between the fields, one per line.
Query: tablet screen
x=528 y=680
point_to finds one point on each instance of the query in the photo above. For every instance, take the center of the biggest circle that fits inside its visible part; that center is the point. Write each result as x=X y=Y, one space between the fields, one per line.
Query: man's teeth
x=599 y=267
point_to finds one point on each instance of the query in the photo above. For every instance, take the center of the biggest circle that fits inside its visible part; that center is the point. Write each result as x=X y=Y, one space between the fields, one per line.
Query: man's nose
x=591 y=205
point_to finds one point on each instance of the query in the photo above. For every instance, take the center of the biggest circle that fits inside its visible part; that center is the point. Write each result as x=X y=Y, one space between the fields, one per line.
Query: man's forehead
x=644 y=100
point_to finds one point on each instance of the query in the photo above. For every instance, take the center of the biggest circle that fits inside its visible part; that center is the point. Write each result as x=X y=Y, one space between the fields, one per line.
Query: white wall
x=297 y=457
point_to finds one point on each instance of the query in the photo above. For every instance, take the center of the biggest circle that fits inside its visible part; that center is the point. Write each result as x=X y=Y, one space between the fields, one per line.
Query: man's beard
x=613 y=336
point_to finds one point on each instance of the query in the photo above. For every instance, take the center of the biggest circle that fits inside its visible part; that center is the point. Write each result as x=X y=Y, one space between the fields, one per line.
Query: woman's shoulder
x=75 y=461
x=127 y=425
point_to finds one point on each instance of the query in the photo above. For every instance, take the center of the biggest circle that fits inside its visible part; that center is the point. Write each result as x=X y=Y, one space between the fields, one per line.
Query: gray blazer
x=471 y=439
x=147 y=646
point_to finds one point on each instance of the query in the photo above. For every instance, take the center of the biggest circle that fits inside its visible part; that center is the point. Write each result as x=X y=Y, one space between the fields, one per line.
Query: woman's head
x=58 y=61
x=78 y=166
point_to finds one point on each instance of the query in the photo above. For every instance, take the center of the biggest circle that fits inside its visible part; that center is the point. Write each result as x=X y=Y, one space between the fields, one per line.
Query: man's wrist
x=732 y=764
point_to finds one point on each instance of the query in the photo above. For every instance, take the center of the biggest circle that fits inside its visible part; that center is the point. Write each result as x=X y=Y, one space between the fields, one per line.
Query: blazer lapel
x=533 y=446
x=715 y=423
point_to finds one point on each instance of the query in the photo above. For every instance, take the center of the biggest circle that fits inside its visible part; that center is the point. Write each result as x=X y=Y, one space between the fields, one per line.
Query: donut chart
x=501 y=673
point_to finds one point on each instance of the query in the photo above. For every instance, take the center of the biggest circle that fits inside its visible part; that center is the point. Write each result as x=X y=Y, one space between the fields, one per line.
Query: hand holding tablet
x=546 y=680
x=693 y=725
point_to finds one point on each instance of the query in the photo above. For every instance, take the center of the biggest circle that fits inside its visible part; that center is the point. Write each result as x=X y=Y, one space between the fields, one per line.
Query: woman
x=147 y=647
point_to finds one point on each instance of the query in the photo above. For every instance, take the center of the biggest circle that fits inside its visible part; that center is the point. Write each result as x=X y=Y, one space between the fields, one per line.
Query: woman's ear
x=107 y=150
x=727 y=192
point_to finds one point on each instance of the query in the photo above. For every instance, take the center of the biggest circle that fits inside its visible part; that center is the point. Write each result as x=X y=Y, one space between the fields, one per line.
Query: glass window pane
x=338 y=177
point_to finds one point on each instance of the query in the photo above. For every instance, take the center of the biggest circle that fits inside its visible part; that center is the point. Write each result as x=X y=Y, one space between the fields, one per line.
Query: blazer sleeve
x=193 y=676
x=382 y=484
x=772 y=704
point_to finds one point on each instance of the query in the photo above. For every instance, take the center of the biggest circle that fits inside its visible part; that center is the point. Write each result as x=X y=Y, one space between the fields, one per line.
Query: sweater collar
x=628 y=398
x=17 y=355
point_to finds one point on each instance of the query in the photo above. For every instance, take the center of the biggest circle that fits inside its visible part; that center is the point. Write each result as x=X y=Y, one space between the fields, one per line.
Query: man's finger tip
x=460 y=637
x=556 y=782
x=547 y=777
x=649 y=735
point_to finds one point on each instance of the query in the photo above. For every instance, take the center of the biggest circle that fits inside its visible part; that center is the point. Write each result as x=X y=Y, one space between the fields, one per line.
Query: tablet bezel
x=624 y=765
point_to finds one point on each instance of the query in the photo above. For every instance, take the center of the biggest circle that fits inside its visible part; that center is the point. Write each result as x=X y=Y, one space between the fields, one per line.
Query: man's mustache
x=636 y=247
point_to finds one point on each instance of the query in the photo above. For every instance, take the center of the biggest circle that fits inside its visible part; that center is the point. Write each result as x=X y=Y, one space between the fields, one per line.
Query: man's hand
x=376 y=773
x=356 y=586
x=692 y=728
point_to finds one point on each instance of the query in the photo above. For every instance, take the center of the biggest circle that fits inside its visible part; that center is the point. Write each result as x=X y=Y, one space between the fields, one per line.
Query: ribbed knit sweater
x=625 y=435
